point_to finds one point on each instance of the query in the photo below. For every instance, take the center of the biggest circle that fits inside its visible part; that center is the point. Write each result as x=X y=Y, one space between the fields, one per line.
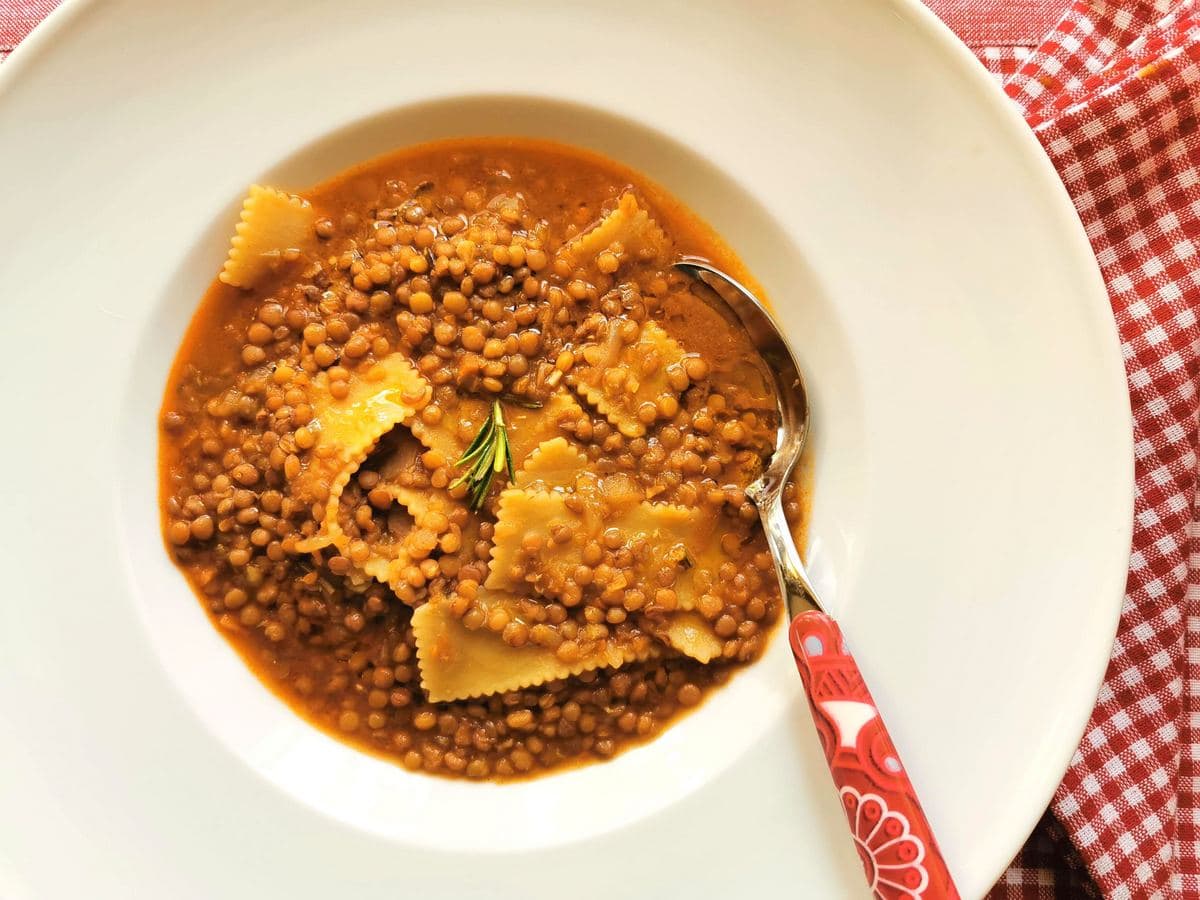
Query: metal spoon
x=892 y=835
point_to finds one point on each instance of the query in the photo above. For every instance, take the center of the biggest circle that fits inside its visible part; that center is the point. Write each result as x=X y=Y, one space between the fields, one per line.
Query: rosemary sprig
x=487 y=454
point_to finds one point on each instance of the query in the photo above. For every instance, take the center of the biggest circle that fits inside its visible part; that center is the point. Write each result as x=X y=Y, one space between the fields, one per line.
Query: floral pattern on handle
x=893 y=838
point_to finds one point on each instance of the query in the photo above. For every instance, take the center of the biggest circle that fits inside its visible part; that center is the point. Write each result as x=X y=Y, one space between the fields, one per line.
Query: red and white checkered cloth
x=17 y=18
x=1112 y=90
x=1113 y=93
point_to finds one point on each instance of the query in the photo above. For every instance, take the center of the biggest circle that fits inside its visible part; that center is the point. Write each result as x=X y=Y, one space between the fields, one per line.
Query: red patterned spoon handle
x=892 y=836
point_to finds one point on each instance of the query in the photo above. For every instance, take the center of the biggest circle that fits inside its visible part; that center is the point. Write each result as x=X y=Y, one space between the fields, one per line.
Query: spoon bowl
x=791 y=399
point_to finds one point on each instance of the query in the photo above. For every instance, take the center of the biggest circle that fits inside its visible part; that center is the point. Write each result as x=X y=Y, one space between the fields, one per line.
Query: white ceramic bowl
x=973 y=482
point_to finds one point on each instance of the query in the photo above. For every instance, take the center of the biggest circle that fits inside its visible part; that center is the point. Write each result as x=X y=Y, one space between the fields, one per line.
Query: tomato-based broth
x=456 y=460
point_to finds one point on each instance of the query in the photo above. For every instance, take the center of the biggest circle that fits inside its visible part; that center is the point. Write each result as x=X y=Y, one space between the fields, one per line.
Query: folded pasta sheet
x=692 y=635
x=273 y=224
x=561 y=517
x=627 y=232
x=425 y=509
x=346 y=430
x=542 y=537
x=633 y=375
x=458 y=663
x=555 y=464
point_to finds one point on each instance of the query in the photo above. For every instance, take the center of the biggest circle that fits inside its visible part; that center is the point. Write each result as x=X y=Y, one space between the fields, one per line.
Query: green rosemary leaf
x=500 y=451
x=480 y=492
x=508 y=460
x=523 y=402
x=479 y=443
x=488 y=453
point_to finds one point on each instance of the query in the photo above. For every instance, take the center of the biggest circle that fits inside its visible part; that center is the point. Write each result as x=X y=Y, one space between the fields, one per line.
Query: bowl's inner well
x=381 y=797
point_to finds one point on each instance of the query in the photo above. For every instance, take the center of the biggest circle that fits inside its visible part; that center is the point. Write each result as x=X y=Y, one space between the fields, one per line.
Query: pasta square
x=458 y=663
x=272 y=225
x=345 y=430
x=627 y=232
x=633 y=376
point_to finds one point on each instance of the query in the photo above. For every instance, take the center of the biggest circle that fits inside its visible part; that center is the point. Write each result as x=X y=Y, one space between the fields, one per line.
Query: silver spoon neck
x=793 y=578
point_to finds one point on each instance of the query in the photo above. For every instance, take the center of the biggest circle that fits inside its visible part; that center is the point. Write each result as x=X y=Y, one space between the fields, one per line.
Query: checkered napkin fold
x=17 y=18
x=1113 y=94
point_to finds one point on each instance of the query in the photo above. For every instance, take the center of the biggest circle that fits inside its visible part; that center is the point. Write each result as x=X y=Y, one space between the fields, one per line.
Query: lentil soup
x=456 y=460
